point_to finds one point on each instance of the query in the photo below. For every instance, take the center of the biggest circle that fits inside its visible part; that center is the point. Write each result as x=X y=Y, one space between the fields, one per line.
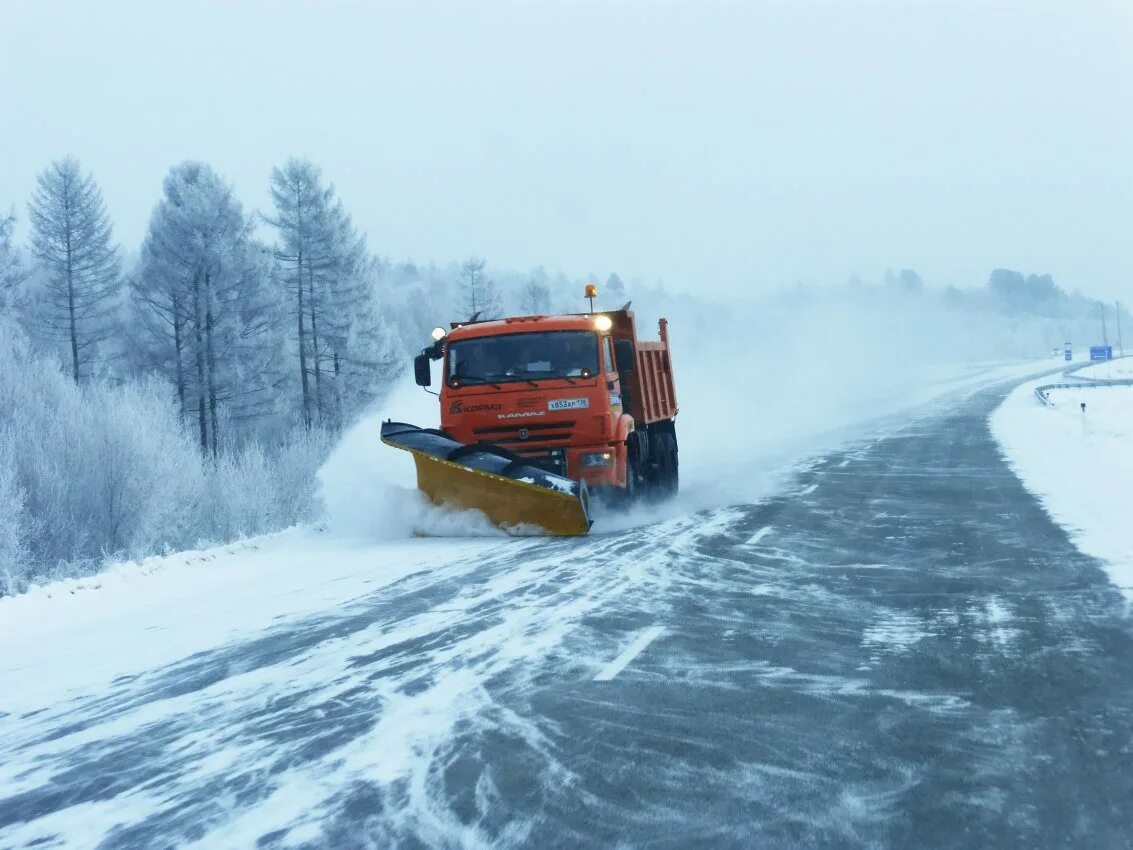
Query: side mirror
x=422 y=372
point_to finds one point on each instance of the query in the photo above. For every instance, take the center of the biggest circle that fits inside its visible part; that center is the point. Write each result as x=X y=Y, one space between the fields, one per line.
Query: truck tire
x=667 y=472
x=636 y=481
x=674 y=482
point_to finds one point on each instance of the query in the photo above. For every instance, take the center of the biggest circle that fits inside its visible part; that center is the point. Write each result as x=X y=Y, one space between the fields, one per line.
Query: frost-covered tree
x=72 y=243
x=535 y=295
x=360 y=349
x=107 y=469
x=1031 y=293
x=420 y=297
x=616 y=288
x=478 y=291
x=12 y=272
x=909 y=281
x=339 y=341
x=204 y=307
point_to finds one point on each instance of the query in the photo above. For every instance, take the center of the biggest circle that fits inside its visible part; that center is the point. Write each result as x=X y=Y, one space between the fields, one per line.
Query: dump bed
x=651 y=395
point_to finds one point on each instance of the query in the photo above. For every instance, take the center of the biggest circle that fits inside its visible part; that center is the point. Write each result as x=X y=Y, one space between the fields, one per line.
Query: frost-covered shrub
x=296 y=464
x=104 y=469
x=15 y=524
x=101 y=470
x=252 y=491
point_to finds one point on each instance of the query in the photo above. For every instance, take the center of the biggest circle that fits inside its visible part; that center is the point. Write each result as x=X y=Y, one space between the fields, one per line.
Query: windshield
x=523 y=357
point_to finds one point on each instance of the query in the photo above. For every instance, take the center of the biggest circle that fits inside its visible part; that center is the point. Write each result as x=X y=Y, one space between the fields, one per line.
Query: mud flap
x=520 y=499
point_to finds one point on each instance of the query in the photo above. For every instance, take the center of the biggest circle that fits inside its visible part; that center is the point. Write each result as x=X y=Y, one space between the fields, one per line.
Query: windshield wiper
x=542 y=377
x=483 y=379
x=566 y=378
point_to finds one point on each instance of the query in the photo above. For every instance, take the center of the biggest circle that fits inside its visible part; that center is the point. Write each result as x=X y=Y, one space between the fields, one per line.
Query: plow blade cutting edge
x=519 y=498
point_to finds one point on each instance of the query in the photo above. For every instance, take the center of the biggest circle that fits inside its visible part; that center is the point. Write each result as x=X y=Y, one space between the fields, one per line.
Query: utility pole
x=1105 y=338
x=1120 y=344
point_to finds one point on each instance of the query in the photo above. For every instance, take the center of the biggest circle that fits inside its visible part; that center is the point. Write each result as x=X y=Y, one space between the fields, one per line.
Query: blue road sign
x=1101 y=352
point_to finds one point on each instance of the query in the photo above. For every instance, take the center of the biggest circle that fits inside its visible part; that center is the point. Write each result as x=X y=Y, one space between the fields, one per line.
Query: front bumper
x=597 y=476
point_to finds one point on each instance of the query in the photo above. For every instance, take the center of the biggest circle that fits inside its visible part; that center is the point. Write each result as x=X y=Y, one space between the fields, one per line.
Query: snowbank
x=1109 y=370
x=1079 y=465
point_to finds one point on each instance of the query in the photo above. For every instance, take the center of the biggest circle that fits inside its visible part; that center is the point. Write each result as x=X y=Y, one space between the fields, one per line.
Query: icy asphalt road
x=903 y=651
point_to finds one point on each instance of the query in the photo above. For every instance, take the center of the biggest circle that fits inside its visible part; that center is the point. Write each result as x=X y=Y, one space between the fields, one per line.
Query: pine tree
x=71 y=240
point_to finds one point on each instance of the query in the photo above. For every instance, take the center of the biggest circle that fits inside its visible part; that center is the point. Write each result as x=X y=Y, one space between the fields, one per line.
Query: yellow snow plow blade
x=519 y=498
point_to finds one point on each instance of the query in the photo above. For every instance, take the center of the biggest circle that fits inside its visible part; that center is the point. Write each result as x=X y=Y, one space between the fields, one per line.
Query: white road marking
x=759 y=535
x=631 y=652
x=806 y=491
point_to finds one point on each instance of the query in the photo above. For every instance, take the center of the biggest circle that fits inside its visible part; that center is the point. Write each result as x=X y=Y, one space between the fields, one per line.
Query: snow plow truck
x=540 y=413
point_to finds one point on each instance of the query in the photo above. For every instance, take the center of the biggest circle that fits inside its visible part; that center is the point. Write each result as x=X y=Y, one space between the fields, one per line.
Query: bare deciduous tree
x=203 y=301
x=339 y=343
x=535 y=296
x=12 y=271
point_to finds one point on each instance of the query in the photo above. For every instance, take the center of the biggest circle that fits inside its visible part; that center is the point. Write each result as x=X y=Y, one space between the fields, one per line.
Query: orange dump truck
x=539 y=412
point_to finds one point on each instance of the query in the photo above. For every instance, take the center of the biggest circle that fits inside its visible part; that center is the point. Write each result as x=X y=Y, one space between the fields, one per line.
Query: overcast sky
x=728 y=147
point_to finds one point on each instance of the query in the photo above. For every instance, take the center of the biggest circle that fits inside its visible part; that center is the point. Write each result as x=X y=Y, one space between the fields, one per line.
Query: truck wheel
x=672 y=483
x=667 y=473
x=635 y=482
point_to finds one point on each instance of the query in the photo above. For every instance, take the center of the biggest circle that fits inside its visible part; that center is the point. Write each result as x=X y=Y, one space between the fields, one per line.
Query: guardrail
x=1083 y=383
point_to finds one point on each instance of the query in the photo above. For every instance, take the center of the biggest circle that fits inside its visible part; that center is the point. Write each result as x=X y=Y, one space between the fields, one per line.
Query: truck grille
x=538 y=434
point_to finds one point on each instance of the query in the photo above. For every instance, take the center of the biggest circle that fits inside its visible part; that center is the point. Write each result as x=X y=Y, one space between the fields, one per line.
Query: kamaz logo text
x=458 y=407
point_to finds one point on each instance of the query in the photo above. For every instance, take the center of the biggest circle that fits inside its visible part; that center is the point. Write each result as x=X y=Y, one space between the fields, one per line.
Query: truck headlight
x=592 y=459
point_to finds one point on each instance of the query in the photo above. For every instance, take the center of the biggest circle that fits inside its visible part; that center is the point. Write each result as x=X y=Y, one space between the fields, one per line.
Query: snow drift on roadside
x=1108 y=370
x=1079 y=465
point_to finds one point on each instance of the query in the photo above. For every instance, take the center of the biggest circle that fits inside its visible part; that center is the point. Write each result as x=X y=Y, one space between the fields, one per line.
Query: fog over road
x=902 y=650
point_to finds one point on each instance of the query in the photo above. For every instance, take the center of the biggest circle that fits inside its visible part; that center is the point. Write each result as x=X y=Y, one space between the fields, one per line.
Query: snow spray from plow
x=519 y=498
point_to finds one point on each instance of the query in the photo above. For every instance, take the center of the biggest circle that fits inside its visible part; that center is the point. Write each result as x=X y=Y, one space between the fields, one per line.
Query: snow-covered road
x=898 y=648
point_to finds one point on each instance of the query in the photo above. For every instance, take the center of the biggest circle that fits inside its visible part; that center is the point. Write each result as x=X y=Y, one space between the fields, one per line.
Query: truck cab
x=578 y=395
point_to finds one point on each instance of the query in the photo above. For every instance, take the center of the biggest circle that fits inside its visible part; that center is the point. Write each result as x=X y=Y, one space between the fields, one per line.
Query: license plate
x=568 y=403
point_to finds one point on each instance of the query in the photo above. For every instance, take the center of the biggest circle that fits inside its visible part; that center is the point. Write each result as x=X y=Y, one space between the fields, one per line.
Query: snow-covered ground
x=79 y=635
x=1121 y=368
x=1079 y=464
